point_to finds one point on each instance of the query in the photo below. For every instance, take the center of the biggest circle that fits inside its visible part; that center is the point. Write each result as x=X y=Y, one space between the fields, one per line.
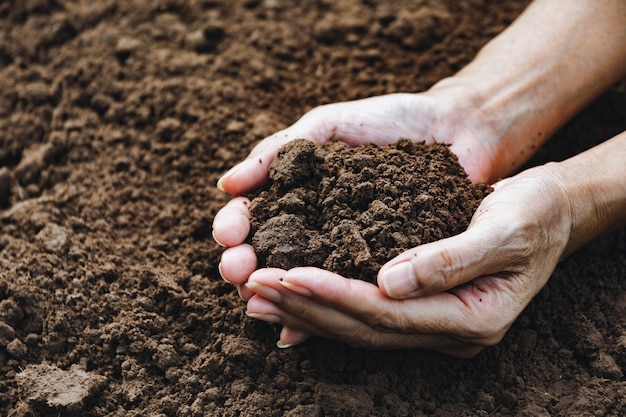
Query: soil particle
x=49 y=388
x=53 y=238
x=17 y=349
x=349 y=210
x=125 y=47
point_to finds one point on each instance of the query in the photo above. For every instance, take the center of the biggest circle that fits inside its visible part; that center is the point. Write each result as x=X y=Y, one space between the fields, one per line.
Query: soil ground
x=117 y=118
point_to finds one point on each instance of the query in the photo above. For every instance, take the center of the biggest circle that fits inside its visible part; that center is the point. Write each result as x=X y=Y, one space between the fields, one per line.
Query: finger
x=263 y=309
x=290 y=336
x=238 y=263
x=435 y=314
x=274 y=303
x=263 y=306
x=231 y=224
x=271 y=297
x=244 y=292
x=483 y=249
x=299 y=307
x=248 y=175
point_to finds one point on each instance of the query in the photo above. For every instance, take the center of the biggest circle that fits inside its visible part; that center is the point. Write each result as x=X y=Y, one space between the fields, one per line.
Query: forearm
x=551 y=62
x=595 y=183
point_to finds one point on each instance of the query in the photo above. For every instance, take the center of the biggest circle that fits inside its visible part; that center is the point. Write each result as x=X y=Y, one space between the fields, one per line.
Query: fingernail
x=215 y=239
x=282 y=345
x=239 y=287
x=270 y=318
x=231 y=172
x=220 y=185
x=264 y=291
x=219 y=269
x=296 y=288
x=399 y=280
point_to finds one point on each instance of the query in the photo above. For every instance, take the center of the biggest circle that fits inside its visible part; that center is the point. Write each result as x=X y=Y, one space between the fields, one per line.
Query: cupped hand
x=433 y=116
x=455 y=295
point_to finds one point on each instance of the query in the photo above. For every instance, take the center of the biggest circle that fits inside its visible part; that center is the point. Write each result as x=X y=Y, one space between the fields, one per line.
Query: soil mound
x=349 y=210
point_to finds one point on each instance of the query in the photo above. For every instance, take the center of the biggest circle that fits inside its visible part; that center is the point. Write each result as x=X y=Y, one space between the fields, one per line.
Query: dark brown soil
x=116 y=120
x=350 y=210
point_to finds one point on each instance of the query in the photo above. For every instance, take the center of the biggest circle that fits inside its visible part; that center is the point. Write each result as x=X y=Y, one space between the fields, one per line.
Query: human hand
x=434 y=116
x=456 y=295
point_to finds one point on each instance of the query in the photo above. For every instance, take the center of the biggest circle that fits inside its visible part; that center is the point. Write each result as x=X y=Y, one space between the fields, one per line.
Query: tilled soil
x=116 y=120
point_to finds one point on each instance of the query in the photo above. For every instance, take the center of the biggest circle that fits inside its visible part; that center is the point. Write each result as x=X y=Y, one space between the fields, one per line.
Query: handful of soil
x=350 y=210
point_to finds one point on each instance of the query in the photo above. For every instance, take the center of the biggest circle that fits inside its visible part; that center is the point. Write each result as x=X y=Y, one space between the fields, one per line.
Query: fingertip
x=290 y=337
x=216 y=239
x=248 y=175
x=244 y=293
x=399 y=281
x=220 y=184
x=228 y=182
x=221 y=271
x=238 y=263
x=231 y=224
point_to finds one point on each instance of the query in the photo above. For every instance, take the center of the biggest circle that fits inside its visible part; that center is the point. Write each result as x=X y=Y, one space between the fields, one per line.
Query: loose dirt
x=116 y=120
x=349 y=210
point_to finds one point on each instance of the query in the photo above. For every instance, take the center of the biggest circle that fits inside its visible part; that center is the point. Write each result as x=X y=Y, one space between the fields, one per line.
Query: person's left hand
x=455 y=295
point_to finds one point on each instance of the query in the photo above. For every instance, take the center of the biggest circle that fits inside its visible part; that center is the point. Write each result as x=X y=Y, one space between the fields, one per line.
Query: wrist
x=466 y=115
x=529 y=80
x=595 y=189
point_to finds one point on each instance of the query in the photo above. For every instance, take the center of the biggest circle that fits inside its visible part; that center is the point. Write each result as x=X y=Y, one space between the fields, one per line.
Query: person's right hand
x=460 y=294
x=456 y=295
x=431 y=116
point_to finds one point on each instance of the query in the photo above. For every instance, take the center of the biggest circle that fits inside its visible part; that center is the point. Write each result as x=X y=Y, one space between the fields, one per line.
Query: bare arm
x=595 y=182
x=549 y=64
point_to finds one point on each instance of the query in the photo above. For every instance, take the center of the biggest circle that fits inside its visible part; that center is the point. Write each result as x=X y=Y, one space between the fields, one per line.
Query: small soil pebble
x=350 y=210
x=50 y=389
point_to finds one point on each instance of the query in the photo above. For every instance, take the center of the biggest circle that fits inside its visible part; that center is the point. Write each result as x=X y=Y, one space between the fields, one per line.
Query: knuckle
x=447 y=265
x=520 y=238
x=364 y=339
x=384 y=321
x=393 y=318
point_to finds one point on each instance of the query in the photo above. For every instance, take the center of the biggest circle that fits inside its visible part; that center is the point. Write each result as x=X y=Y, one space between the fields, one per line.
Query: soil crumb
x=48 y=387
x=350 y=210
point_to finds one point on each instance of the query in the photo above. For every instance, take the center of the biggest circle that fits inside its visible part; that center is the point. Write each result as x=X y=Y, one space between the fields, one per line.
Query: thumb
x=250 y=174
x=448 y=263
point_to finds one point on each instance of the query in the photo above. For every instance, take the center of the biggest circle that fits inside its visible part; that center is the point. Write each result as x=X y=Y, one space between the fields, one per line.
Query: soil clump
x=349 y=210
